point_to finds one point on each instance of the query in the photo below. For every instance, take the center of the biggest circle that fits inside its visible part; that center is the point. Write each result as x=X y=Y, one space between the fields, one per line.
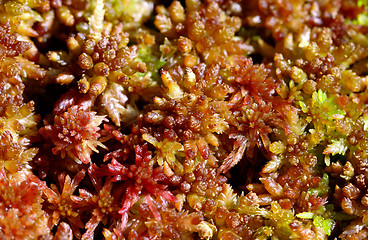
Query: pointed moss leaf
x=303 y=106
x=305 y=215
x=327 y=160
x=322 y=96
x=324 y=107
x=336 y=147
x=365 y=118
x=326 y=224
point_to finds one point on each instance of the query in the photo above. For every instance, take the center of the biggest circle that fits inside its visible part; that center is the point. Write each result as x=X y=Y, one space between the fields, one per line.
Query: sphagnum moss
x=127 y=119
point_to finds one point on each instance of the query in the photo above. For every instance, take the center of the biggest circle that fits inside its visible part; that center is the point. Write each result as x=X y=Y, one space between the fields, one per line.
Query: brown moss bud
x=349 y=206
x=95 y=56
x=116 y=64
x=273 y=187
x=139 y=66
x=220 y=215
x=310 y=160
x=190 y=60
x=164 y=24
x=212 y=139
x=185 y=187
x=194 y=124
x=83 y=85
x=353 y=82
x=265 y=199
x=85 y=61
x=73 y=45
x=64 y=78
x=89 y=46
x=189 y=78
x=109 y=55
x=309 y=87
x=233 y=220
x=101 y=69
x=203 y=148
x=347 y=171
x=98 y=85
x=256 y=188
x=176 y=11
x=312 y=51
x=224 y=34
x=277 y=147
x=154 y=116
x=298 y=75
x=364 y=200
x=189 y=177
x=196 y=30
x=195 y=201
x=119 y=77
x=326 y=83
x=65 y=16
x=351 y=191
x=169 y=122
x=184 y=44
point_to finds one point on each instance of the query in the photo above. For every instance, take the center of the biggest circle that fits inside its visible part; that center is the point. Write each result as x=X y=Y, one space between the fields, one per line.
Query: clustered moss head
x=127 y=119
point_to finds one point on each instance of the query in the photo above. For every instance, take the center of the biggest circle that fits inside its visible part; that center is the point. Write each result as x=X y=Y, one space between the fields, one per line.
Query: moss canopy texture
x=239 y=119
